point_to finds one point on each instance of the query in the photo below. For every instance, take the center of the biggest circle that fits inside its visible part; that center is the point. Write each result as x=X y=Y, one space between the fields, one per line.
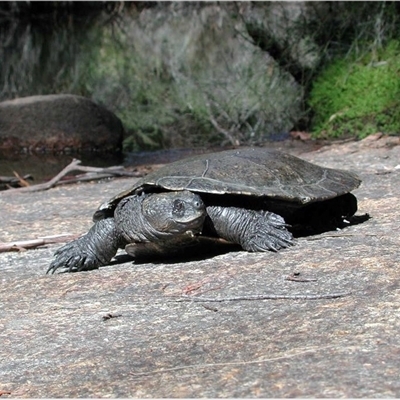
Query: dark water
x=45 y=167
x=163 y=156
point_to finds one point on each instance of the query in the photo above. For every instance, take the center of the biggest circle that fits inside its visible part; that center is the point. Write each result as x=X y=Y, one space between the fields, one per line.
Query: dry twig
x=33 y=243
x=94 y=173
x=263 y=297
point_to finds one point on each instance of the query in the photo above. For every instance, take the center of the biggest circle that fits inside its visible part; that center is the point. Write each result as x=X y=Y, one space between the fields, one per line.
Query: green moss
x=143 y=95
x=357 y=97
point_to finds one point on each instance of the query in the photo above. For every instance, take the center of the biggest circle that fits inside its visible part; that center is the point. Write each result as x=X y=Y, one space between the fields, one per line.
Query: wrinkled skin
x=252 y=197
x=164 y=221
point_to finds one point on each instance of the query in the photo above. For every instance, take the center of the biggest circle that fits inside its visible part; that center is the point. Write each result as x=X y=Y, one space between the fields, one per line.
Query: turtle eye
x=198 y=205
x=178 y=208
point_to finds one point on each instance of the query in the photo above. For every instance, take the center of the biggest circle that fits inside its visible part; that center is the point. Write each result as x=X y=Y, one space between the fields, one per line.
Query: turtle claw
x=267 y=233
x=253 y=230
x=88 y=252
x=71 y=258
x=74 y=264
x=74 y=257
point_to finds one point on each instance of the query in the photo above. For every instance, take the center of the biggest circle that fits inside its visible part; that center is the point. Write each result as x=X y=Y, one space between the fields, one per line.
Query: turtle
x=257 y=198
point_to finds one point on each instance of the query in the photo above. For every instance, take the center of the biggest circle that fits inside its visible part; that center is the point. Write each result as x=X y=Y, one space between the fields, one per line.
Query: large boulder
x=193 y=67
x=286 y=30
x=58 y=123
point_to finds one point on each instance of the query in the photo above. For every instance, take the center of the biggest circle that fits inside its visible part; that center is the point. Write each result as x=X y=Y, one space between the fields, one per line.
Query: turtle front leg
x=253 y=230
x=90 y=251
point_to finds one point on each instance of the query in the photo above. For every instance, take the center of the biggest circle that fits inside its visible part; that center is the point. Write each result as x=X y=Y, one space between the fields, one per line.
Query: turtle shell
x=256 y=172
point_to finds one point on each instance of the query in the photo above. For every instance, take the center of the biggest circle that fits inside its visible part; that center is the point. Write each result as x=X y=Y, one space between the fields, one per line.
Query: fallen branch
x=15 y=181
x=21 y=180
x=95 y=173
x=22 y=245
x=263 y=297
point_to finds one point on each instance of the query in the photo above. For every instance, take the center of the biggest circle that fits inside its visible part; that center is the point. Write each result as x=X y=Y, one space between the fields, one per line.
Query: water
x=44 y=167
x=162 y=156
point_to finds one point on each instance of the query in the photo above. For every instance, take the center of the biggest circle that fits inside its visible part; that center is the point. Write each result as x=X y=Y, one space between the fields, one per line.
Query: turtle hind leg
x=324 y=216
x=91 y=251
x=253 y=230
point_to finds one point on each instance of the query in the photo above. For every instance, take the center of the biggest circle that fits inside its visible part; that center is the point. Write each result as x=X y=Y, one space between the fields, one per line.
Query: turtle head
x=174 y=212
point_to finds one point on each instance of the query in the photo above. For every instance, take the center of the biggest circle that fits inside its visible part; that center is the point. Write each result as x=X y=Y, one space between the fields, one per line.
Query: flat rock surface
x=121 y=331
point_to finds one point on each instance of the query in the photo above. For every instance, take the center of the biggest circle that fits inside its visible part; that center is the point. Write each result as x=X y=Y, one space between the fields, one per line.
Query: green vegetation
x=169 y=94
x=143 y=96
x=358 y=96
x=211 y=73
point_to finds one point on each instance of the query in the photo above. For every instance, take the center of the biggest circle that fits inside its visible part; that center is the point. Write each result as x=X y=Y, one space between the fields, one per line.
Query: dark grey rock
x=58 y=123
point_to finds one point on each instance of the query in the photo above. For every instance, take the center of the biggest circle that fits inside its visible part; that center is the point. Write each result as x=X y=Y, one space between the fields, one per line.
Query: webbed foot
x=72 y=258
x=253 y=230
x=90 y=251
x=268 y=231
